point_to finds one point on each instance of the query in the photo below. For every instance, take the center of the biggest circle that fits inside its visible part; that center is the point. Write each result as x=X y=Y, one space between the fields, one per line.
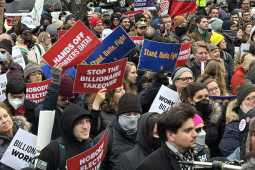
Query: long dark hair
x=190 y=91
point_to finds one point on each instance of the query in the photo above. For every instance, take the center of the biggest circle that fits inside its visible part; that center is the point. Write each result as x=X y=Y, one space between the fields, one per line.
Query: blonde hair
x=199 y=44
x=129 y=87
x=42 y=37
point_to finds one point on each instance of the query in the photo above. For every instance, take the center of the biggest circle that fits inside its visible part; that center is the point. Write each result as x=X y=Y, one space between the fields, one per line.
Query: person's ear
x=191 y=101
x=170 y=136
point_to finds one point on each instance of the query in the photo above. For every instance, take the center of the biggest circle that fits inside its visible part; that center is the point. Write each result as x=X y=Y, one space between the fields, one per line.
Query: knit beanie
x=213 y=47
x=57 y=23
x=52 y=29
x=29 y=69
x=69 y=17
x=246 y=24
x=244 y=88
x=221 y=13
x=95 y=21
x=129 y=102
x=216 y=38
x=138 y=16
x=46 y=5
x=225 y=18
x=24 y=29
x=216 y=24
x=252 y=11
x=227 y=24
x=117 y=9
x=66 y=86
x=197 y=119
x=114 y=16
x=124 y=16
x=7 y=45
x=178 y=71
x=23 y=47
x=178 y=20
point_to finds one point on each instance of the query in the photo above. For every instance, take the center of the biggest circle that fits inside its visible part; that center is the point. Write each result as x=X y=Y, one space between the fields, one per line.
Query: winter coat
x=161 y=159
x=97 y=34
x=192 y=65
x=29 y=113
x=228 y=59
x=239 y=74
x=44 y=15
x=117 y=143
x=14 y=71
x=197 y=36
x=142 y=80
x=51 y=153
x=228 y=76
x=202 y=153
x=230 y=37
x=230 y=139
x=131 y=159
x=174 y=37
x=18 y=122
x=232 y=4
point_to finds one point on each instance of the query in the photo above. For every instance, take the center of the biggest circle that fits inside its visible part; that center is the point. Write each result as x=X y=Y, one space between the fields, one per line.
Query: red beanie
x=66 y=86
x=95 y=21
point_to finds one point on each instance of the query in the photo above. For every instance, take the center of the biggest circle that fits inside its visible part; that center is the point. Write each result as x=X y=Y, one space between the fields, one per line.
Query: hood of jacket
x=252 y=31
x=239 y=68
x=231 y=115
x=216 y=113
x=230 y=34
x=204 y=37
x=246 y=63
x=20 y=40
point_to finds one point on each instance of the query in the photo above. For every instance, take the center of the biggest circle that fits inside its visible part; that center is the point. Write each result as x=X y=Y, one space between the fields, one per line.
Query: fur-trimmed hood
x=246 y=64
x=21 y=40
x=216 y=114
x=231 y=115
x=248 y=141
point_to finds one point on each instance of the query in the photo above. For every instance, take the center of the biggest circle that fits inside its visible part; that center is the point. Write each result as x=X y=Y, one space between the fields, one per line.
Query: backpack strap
x=61 y=151
x=39 y=48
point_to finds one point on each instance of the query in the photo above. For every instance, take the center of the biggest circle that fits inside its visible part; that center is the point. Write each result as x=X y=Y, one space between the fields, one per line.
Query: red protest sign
x=90 y=159
x=92 y=78
x=131 y=14
x=137 y=39
x=37 y=91
x=73 y=48
x=178 y=7
x=184 y=54
x=61 y=33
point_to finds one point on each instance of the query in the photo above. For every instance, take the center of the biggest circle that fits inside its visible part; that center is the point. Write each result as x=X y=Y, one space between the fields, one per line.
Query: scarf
x=46 y=47
x=204 y=37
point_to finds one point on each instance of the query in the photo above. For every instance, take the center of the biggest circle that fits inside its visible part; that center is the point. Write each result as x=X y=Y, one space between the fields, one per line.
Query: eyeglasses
x=81 y=123
x=250 y=99
x=27 y=33
x=198 y=130
x=126 y=21
x=213 y=89
x=186 y=79
x=37 y=73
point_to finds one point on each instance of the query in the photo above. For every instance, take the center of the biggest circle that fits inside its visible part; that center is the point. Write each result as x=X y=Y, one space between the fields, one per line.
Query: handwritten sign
x=18 y=58
x=3 y=83
x=131 y=14
x=222 y=99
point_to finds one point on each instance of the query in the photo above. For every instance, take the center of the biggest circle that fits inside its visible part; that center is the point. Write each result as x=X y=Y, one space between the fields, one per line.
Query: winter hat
x=52 y=29
x=30 y=68
x=114 y=16
x=57 y=23
x=213 y=47
x=155 y=24
x=69 y=17
x=221 y=13
x=197 y=119
x=117 y=9
x=95 y=21
x=251 y=76
x=178 y=20
x=178 y=71
x=106 y=14
x=244 y=88
x=7 y=45
x=22 y=47
x=227 y=24
x=46 y=5
x=123 y=10
x=252 y=11
x=216 y=24
x=225 y=18
x=216 y=38
x=124 y=16
x=246 y=24
x=138 y=16
x=66 y=86
x=106 y=32
x=129 y=102
x=185 y=37
x=24 y=29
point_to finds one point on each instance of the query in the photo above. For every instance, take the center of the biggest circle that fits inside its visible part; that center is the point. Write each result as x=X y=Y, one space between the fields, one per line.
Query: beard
x=246 y=108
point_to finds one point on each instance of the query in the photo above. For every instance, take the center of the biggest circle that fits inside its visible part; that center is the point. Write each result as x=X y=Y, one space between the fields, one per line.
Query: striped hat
x=23 y=48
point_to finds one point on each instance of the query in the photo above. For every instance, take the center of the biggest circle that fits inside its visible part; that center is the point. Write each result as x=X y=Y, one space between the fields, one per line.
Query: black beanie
x=129 y=103
x=244 y=88
x=117 y=9
x=7 y=45
x=138 y=16
x=115 y=16
x=24 y=29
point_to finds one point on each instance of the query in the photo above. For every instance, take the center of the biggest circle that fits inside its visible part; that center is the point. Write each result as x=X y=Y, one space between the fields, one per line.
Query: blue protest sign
x=222 y=99
x=156 y=56
x=144 y=5
x=114 y=47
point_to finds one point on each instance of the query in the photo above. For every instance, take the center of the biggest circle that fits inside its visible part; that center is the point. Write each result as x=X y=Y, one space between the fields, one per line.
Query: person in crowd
x=114 y=21
x=201 y=32
x=57 y=23
x=222 y=14
x=28 y=22
x=96 y=15
x=117 y=10
x=57 y=98
x=130 y=78
x=70 y=20
x=251 y=48
x=229 y=32
x=252 y=13
x=147 y=18
x=176 y=130
x=13 y=24
x=234 y=16
x=12 y=69
x=251 y=71
x=33 y=74
x=47 y=21
x=122 y=133
x=75 y=138
x=105 y=104
x=9 y=127
x=216 y=24
x=97 y=27
x=196 y=94
x=215 y=89
x=240 y=71
x=45 y=40
x=219 y=41
x=185 y=39
x=52 y=30
x=106 y=16
x=130 y=5
x=235 y=111
x=205 y=10
x=36 y=51
x=156 y=25
x=106 y=23
x=224 y=6
x=125 y=23
x=24 y=51
x=246 y=31
x=180 y=25
x=140 y=17
x=148 y=141
x=147 y=78
x=200 y=52
x=245 y=5
x=213 y=12
x=166 y=20
x=239 y=37
x=139 y=29
x=246 y=17
x=46 y=13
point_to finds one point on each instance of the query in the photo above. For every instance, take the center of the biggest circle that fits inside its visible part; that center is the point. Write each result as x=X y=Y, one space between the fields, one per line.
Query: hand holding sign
x=99 y=99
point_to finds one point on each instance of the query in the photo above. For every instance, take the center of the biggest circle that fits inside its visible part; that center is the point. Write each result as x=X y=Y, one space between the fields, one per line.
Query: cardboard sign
x=90 y=159
x=156 y=56
x=73 y=48
x=137 y=39
x=37 y=91
x=144 y=4
x=184 y=55
x=222 y=99
x=164 y=100
x=21 y=150
x=92 y=78
x=131 y=14
x=61 y=33
x=244 y=48
x=114 y=47
x=3 y=83
x=18 y=58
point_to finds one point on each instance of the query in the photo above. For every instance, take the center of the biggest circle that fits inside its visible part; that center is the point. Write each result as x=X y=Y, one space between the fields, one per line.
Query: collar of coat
x=231 y=115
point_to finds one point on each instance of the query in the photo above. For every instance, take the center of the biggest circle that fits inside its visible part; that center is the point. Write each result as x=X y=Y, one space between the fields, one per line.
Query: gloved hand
x=161 y=79
x=56 y=74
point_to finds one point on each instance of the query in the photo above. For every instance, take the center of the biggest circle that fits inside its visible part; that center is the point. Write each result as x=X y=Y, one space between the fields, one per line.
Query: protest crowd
x=159 y=88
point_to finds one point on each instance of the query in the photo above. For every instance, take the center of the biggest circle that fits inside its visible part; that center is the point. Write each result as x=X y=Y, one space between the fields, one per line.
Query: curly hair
x=129 y=87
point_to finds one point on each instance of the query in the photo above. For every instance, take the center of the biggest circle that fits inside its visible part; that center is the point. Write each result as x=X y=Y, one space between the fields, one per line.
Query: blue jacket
x=46 y=70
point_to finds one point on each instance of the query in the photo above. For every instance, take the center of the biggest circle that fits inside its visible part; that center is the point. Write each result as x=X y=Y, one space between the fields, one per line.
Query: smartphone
x=162 y=28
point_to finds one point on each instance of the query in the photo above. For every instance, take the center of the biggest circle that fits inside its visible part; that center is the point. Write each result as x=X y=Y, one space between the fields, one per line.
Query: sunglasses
x=143 y=20
x=27 y=33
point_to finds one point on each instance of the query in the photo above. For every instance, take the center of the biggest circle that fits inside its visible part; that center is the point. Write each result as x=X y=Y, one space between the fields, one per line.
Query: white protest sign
x=164 y=100
x=244 y=48
x=21 y=150
x=3 y=82
x=18 y=58
x=236 y=50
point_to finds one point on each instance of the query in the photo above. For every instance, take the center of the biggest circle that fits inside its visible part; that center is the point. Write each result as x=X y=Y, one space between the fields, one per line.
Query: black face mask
x=202 y=105
x=179 y=31
x=135 y=59
x=156 y=143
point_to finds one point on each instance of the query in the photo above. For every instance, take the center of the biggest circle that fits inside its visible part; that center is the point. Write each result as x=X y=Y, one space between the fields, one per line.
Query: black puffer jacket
x=192 y=65
x=228 y=59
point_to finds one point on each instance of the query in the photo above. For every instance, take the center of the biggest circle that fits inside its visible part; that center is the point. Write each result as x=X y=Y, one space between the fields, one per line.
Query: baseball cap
x=223 y=4
x=28 y=22
x=140 y=24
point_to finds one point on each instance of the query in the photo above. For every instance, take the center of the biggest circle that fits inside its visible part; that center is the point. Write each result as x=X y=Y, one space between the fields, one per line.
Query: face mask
x=128 y=123
x=3 y=57
x=201 y=138
x=180 y=30
x=156 y=143
x=16 y=102
x=202 y=105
